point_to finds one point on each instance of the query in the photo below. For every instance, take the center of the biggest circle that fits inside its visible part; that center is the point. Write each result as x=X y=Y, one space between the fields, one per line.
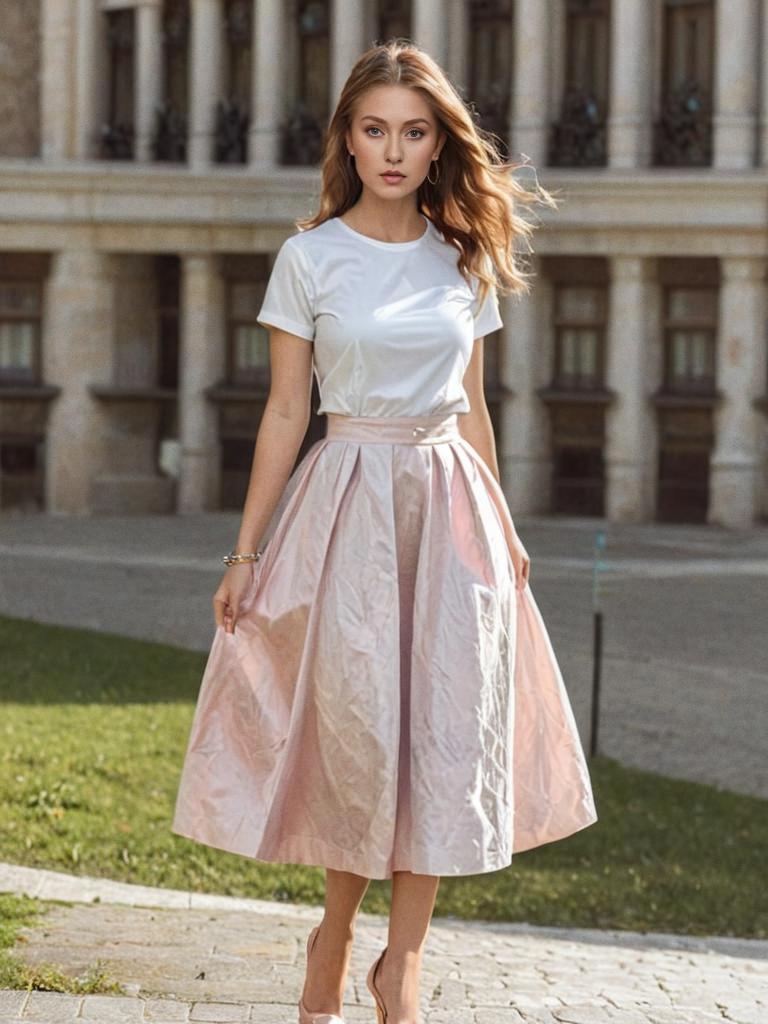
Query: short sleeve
x=487 y=318
x=289 y=298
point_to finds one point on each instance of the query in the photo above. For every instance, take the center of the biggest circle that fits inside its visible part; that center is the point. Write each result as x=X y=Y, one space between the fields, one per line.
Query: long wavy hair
x=478 y=195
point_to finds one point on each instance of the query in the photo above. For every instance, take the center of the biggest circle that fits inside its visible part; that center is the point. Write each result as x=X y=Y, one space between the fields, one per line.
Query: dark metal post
x=597 y=642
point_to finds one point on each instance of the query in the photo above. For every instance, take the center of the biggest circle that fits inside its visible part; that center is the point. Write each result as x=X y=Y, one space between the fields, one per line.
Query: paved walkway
x=685 y=669
x=684 y=693
x=184 y=956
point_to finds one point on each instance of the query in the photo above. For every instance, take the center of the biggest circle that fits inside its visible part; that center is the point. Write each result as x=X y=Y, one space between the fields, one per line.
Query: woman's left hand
x=520 y=561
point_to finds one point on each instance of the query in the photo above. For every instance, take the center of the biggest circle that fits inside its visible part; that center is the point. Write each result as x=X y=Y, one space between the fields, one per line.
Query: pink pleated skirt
x=390 y=699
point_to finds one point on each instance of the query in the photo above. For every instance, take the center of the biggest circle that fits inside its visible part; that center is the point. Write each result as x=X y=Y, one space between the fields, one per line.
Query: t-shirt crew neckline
x=388 y=245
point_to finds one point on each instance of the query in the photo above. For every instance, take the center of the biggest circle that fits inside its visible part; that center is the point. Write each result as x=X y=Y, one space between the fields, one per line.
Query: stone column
x=206 y=53
x=456 y=29
x=429 y=28
x=530 y=90
x=347 y=41
x=202 y=364
x=736 y=83
x=268 y=39
x=56 y=57
x=149 y=74
x=630 y=115
x=764 y=100
x=630 y=446
x=88 y=42
x=525 y=461
x=77 y=351
x=741 y=368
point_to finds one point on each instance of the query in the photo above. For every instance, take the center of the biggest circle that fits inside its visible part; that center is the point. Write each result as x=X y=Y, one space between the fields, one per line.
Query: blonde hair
x=475 y=200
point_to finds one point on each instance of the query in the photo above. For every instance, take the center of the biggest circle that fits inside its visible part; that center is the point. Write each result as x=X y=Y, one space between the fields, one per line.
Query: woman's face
x=394 y=129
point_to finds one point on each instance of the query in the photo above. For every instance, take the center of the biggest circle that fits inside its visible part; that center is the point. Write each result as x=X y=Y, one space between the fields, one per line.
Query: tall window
x=118 y=133
x=688 y=396
x=304 y=129
x=490 y=58
x=167 y=269
x=248 y=341
x=579 y=320
x=394 y=19
x=683 y=132
x=25 y=398
x=576 y=396
x=168 y=274
x=171 y=132
x=233 y=111
x=690 y=328
x=578 y=138
x=20 y=313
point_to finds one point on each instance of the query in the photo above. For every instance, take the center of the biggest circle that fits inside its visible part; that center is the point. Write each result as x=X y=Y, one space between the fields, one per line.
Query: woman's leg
x=413 y=900
x=328 y=964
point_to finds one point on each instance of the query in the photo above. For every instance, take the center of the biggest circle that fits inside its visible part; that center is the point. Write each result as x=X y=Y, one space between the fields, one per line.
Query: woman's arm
x=476 y=428
x=281 y=431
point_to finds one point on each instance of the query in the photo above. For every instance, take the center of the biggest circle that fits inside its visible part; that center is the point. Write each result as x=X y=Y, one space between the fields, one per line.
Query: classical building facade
x=155 y=153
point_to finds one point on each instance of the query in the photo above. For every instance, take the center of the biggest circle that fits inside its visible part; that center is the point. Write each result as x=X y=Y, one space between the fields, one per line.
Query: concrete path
x=685 y=670
x=191 y=957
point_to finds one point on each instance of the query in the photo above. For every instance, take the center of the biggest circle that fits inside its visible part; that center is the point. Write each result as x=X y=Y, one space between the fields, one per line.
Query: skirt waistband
x=393 y=429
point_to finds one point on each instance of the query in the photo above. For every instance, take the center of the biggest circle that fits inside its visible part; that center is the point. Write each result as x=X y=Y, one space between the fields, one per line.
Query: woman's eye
x=373 y=128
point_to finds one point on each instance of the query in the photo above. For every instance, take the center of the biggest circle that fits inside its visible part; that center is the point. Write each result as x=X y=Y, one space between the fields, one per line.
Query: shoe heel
x=381 y=1010
x=305 y=1017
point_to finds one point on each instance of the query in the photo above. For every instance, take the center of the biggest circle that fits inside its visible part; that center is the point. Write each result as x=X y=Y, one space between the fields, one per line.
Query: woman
x=381 y=697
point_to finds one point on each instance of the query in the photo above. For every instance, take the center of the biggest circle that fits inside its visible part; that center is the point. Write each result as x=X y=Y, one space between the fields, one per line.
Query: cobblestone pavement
x=184 y=956
x=685 y=668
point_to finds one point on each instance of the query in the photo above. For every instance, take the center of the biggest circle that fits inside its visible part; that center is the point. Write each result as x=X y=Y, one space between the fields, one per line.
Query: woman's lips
x=393 y=177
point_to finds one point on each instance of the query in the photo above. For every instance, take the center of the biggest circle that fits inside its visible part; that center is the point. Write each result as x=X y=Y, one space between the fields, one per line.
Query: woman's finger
x=233 y=613
x=219 y=610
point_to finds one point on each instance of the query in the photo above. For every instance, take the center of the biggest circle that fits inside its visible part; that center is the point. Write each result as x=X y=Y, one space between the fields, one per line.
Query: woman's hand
x=520 y=561
x=227 y=599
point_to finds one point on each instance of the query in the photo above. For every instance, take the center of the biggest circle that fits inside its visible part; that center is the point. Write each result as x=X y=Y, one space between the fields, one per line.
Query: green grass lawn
x=19 y=911
x=15 y=911
x=92 y=736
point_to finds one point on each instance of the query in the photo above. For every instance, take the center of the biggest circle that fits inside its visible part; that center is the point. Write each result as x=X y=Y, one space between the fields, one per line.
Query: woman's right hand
x=229 y=596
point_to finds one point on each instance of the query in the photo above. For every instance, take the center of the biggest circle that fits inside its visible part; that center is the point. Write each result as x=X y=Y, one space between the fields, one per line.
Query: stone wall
x=19 y=78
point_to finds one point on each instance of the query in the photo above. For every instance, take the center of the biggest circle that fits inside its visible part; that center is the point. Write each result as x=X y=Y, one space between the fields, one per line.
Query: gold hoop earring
x=437 y=165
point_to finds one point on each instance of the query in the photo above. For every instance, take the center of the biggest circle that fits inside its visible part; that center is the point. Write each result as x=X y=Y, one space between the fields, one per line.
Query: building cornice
x=658 y=210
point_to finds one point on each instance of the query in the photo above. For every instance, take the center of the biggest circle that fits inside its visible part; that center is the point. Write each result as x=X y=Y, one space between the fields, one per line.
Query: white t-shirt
x=393 y=323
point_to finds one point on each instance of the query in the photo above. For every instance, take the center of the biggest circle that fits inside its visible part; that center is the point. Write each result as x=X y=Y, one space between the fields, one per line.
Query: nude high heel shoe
x=381 y=1010
x=305 y=1017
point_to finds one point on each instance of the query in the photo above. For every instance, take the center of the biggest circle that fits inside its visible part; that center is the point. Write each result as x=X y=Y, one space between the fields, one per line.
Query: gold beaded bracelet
x=235 y=559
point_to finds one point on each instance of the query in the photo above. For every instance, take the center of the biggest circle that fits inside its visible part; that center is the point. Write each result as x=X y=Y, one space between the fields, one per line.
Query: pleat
x=553 y=795
x=461 y=670
x=336 y=794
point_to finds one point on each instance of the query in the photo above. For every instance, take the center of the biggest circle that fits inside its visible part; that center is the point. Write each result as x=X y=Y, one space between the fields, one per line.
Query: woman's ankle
x=403 y=960
x=342 y=933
